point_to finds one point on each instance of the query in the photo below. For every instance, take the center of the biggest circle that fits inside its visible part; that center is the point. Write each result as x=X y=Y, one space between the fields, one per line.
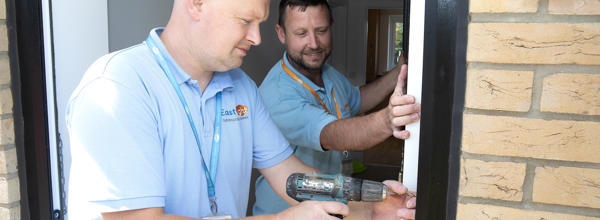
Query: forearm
x=262 y=217
x=158 y=214
x=357 y=133
x=373 y=93
x=277 y=175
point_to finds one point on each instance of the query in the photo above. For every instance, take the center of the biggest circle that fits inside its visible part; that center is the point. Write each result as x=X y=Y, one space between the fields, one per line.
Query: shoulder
x=337 y=78
x=333 y=72
x=277 y=81
x=130 y=64
x=128 y=69
x=274 y=74
x=120 y=65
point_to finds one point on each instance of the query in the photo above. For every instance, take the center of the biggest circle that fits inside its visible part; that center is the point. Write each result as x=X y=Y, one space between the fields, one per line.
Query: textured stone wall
x=9 y=181
x=531 y=126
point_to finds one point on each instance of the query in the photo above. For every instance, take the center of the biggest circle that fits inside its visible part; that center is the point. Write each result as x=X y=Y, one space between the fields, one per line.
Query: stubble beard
x=300 y=62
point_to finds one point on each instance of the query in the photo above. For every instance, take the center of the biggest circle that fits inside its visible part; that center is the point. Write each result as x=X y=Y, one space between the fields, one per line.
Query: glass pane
x=398 y=41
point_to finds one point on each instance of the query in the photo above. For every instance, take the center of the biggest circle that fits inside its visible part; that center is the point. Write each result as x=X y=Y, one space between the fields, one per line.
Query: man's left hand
x=402 y=108
x=398 y=206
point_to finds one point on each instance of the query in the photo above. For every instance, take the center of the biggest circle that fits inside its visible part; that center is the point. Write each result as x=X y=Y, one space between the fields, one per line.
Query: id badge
x=347 y=167
x=218 y=216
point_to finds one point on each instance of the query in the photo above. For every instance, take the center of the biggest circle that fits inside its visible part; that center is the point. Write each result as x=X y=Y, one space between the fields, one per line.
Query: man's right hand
x=314 y=210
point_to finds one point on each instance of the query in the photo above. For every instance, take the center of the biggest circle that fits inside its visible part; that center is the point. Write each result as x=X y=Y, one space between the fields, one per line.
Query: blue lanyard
x=216 y=141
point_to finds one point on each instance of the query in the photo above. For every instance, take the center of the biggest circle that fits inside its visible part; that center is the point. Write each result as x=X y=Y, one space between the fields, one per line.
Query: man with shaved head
x=170 y=128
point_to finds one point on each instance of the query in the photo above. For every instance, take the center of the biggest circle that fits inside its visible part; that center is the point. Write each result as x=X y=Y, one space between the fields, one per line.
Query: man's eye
x=244 y=21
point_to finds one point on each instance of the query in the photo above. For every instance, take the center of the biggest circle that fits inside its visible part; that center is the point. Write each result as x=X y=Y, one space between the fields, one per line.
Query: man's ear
x=194 y=7
x=280 y=33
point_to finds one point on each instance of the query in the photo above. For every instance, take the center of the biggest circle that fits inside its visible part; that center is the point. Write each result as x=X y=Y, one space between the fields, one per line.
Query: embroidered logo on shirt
x=235 y=114
x=241 y=110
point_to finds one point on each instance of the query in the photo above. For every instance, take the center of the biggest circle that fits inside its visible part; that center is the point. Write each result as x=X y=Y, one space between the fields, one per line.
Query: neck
x=314 y=75
x=177 y=46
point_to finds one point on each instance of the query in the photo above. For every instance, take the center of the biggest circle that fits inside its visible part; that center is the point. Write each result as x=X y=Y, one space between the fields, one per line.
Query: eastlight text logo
x=235 y=114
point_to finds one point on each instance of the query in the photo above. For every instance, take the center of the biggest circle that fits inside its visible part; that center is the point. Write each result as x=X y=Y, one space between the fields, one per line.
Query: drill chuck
x=329 y=187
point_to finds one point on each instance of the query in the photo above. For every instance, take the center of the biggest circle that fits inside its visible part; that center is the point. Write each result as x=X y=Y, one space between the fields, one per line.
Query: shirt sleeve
x=299 y=119
x=354 y=99
x=117 y=161
x=270 y=146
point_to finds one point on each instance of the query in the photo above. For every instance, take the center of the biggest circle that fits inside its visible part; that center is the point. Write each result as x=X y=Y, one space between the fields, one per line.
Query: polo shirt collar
x=219 y=81
x=302 y=76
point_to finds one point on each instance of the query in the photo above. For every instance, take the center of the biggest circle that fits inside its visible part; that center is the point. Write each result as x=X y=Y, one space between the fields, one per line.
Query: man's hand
x=401 y=59
x=314 y=210
x=402 y=108
x=397 y=206
x=373 y=93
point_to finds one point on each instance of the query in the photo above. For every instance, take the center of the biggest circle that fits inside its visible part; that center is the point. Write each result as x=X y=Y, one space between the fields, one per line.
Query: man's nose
x=313 y=42
x=253 y=35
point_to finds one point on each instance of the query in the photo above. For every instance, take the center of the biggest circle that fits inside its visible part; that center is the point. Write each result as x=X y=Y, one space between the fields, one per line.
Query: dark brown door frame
x=26 y=54
x=444 y=75
x=443 y=94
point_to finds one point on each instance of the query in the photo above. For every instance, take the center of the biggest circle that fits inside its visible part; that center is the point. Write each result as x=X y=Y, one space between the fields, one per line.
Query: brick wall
x=531 y=126
x=9 y=181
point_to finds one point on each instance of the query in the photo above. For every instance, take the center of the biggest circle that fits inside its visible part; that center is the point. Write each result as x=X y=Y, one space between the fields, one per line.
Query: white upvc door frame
x=75 y=34
x=414 y=87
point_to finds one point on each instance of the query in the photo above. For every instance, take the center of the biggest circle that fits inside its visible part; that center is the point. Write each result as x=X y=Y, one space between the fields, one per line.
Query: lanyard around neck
x=216 y=141
x=295 y=77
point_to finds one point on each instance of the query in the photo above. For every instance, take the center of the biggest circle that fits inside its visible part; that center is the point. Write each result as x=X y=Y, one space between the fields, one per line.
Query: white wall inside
x=261 y=58
x=130 y=21
x=356 y=35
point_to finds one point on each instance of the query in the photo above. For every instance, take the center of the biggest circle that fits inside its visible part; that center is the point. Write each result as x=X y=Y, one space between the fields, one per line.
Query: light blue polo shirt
x=300 y=117
x=132 y=146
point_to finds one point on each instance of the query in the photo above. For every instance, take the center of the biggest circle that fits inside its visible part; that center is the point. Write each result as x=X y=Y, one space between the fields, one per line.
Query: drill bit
x=407 y=194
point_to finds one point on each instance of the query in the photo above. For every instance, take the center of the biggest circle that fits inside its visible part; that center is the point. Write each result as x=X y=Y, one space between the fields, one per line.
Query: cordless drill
x=334 y=187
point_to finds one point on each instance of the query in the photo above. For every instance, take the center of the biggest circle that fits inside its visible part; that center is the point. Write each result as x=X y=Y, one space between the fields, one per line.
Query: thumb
x=396 y=187
x=401 y=81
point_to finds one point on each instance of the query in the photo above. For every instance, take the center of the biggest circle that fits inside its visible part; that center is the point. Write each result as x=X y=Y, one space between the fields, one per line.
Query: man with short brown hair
x=316 y=108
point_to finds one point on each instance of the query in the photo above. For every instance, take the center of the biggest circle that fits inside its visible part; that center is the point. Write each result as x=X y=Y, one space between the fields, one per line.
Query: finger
x=404 y=120
x=406 y=213
x=411 y=203
x=335 y=208
x=401 y=81
x=402 y=110
x=402 y=100
x=403 y=73
x=401 y=134
x=401 y=59
x=396 y=186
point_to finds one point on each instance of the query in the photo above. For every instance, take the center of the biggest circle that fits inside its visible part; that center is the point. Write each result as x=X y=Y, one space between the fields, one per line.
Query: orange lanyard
x=289 y=72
